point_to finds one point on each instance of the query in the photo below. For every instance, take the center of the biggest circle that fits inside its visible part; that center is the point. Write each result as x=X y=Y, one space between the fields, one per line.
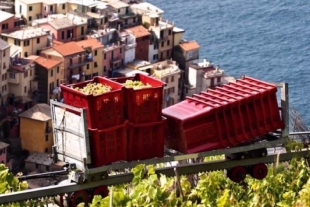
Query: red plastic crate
x=143 y=105
x=108 y=145
x=146 y=140
x=103 y=110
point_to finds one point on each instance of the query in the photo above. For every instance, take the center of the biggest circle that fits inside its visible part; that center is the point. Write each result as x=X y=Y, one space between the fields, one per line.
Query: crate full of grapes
x=143 y=97
x=102 y=98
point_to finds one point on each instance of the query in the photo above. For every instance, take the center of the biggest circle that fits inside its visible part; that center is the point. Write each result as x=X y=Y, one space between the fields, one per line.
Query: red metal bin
x=225 y=117
x=103 y=111
x=143 y=105
x=146 y=140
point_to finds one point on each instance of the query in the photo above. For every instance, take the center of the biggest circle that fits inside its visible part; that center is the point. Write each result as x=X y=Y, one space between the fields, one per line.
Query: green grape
x=94 y=89
x=136 y=84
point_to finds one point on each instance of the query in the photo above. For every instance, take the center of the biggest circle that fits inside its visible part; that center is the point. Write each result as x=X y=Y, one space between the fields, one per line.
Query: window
x=5 y=76
x=169 y=31
x=30 y=72
x=25 y=89
x=38 y=52
x=17 y=42
x=57 y=69
x=162 y=44
x=4 y=65
x=38 y=40
x=30 y=18
x=12 y=75
x=95 y=64
x=104 y=69
x=52 y=73
x=172 y=78
x=134 y=20
x=87 y=66
x=155 y=46
x=4 y=53
x=26 y=74
x=63 y=35
x=212 y=82
x=120 y=50
x=26 y=54
x=167 y=80
x=218 y=79
x=37 y=166
x=105 y=56
x=82 y=30
x=95 y=52
x=46 y=138
x=44 y=8
x=5 y=87
x=57 y=82
x=155 y=57
x=26 y=42
x=16 y=24
x=64 y=6
x=168 y=42
x=30 y=8
x=5 y=26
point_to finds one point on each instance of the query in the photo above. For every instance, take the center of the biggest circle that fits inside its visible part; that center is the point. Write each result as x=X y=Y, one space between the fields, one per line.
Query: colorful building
x=73 y=58
x=21 y=76
x=169 y=72
x=142 y=36
x=94 y=49
x=30 y=40
x=4 y=66
x=48 y=79
x=36 y=129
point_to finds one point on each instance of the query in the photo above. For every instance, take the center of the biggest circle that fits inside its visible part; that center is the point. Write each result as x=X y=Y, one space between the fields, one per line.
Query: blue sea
x=268 y=40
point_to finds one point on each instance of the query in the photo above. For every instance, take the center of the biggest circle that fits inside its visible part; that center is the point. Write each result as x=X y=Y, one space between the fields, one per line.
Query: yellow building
x=36 y=129
x=30 y=40
x=20 y=77
x=28 y=9
x=4 y=66
x=48 y=72
x=94 y=47
x=73 y=57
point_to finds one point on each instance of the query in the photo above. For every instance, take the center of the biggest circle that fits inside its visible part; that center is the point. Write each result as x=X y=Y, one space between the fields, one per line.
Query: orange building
x=36 y=129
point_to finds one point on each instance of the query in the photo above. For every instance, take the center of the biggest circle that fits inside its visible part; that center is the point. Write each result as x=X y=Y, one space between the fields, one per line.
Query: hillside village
x=47 y=43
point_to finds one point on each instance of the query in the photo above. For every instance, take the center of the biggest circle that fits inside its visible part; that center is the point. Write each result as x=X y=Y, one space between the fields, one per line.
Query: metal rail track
x=127 y=177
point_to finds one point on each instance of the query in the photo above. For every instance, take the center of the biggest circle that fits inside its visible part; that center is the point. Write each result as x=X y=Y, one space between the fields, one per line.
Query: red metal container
x=227 y=116
x=103 y=111
x=108 y=145
x=143 y=105
x=146 y=140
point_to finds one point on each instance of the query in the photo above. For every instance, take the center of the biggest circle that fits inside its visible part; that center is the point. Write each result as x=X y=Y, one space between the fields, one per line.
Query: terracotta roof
x=40 y=112
x=187 y=46
x=139 y=31
x=68 y=48
x=93 y=43
x=47 y=63
x=55 y=42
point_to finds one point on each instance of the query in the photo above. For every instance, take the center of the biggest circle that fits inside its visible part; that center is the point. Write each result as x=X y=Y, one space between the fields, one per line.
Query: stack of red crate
x=143 y=109
x=106 y=123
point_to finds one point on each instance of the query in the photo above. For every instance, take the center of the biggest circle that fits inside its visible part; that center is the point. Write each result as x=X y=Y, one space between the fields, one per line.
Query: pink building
x=48 y=9
x=113 y=58
x=64 y=29
x=3 y=153
x=9 y=23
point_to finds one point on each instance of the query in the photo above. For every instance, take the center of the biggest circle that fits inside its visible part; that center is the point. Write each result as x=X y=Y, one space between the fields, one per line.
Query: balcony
x=80 y=60
x=130 y=46
x=21 y=64
x=116 y=59
x=164 y=38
